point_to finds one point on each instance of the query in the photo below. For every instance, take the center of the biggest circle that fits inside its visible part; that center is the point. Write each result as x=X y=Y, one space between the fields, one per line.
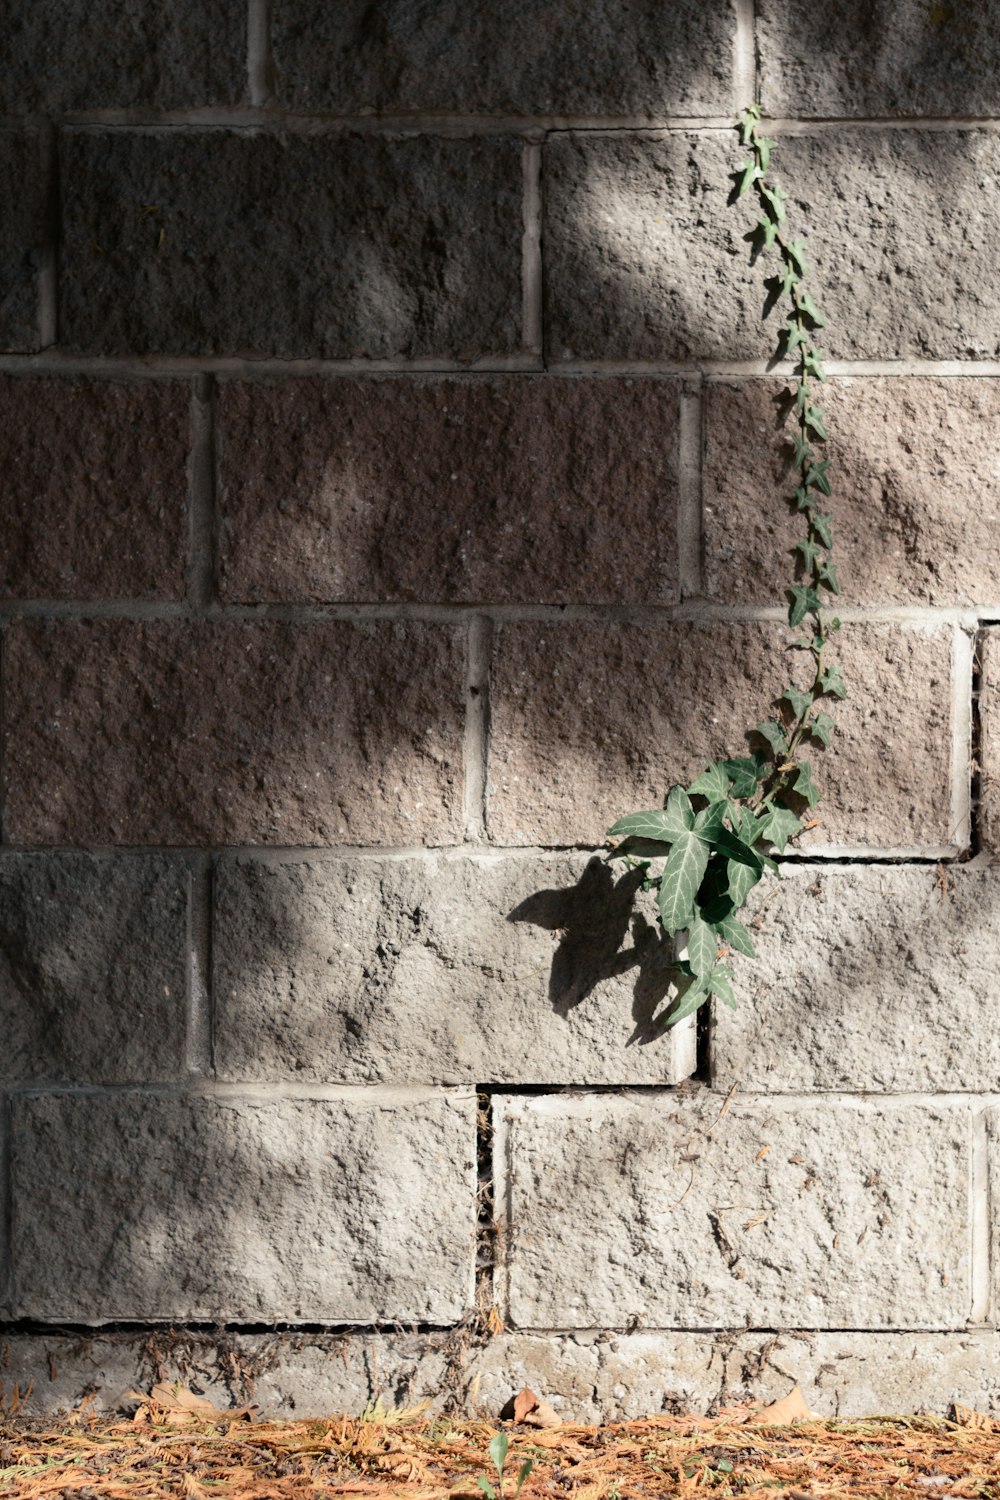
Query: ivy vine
x=717 y=837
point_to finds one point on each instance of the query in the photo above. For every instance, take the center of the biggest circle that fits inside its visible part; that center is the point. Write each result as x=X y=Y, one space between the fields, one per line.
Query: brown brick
x=332 y=245
x=518 y=490
x=592 y=721
x=94 y=499
x=166 y=732
x=22 y=235
x=905 y=454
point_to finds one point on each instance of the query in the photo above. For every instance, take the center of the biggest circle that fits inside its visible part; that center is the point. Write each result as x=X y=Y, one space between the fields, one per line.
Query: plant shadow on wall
x=592 y=920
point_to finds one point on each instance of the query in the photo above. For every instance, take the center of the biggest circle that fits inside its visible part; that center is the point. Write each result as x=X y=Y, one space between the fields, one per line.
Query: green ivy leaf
x=828 y=577
x=804 y=786
x=744 y=772
x=689 y=1001
x=814 y=421
x=797 y=255
x=682 y=874
x=812 y=363
x=773 y=196
x=721 y=985
x=821 y=524
x=808 y=552
x=832 y=684
x=774 y=733
x=779 y=826
x=803 y=499
x=804 y=601
x=821 y=728
x=743 y=866
x=812 y=312
x=797 y=700
x=710 y=820
x=795 y=336
x=702 y=946
x=713 y=783
x=732 y=932
x=816 y=476
x=748 y=174
x=802 y=451
x=765 y=147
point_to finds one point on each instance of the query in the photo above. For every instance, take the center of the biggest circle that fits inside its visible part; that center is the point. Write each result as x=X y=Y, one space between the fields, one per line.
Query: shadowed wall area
x=391 y=481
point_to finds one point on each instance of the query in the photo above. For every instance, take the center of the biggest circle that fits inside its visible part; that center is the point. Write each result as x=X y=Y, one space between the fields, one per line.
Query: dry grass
x=170 y=1449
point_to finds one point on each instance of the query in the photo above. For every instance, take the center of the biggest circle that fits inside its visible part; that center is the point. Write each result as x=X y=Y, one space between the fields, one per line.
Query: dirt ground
x=177 y=1444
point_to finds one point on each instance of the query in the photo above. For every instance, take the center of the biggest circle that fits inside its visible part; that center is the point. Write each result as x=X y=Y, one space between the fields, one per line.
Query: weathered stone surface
x=866 y=978
x=645 y=260
x=570 y=58
x=92 y=968
x=350 y=246
x=22 y=234
x=94 y=497
x=132 y=732
x=64 y=55
x=587 y=1377
x=878 y=57
x=466 y=969
x=988 y=652
x=591 y=721
x=351 y=1209
x=915 y=505
x=515 y=489
x=801 y=1213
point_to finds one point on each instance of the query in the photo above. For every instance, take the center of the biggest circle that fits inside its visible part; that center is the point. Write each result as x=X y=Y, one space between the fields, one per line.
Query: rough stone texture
x=163 y=732
x=92 y=968
x=22 y=234
x=594 y=720
x=645 y=260
x=572 y=58
x=587 y=1377
x=94 y=499
x=352 y=1209
x=915 y=505
x=988 y=653
x=789 y=1214
x=443 y=970
x=878 y=57
x=334 y=245
x=866 y=978
x=104 y=54
x=516 y=490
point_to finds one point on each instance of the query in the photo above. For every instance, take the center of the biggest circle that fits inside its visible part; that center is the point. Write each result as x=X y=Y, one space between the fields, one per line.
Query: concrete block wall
x=390 y=498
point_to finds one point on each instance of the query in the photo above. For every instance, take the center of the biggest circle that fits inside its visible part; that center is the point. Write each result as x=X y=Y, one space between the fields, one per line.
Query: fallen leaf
x=791 y=1408
x=967 y=1416
x=524 y=1401
x=532 y=1411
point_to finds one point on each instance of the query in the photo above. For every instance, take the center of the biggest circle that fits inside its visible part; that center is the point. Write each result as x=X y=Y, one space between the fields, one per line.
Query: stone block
x=22 y=238
x=463 y=969
x=511 y=490
x=362 y=246
x=878 y=57
x=63 y=55
x=867 y=979
x=905 y=454
x=94 y=501
x=142 y=1207
x=591 y=721
x=988 y=653
x=92 y=968
x=800 y=1213
x=568 y=58
x=645 y=260
x=171 y=732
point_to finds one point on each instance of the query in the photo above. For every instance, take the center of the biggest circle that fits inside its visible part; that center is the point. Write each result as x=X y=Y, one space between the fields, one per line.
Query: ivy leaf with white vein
x=682 y=875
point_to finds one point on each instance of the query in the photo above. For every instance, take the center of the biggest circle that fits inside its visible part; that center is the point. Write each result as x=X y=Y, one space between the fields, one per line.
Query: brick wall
x=389 y=501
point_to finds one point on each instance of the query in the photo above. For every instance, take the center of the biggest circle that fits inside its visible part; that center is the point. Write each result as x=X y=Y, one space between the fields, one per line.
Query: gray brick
x=441 y=971
x=399 y=247
x=797 y=1214
x=233 y=732
x=645 y=260
x=92 y=968
x=988 y=651
x=22 y=236
x=64 y=55
x=573 y=57
x=866 y=978
x=905 y=456
x=594 y=720
x=878 y=57
x=511 y=489
x=137 y=1207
